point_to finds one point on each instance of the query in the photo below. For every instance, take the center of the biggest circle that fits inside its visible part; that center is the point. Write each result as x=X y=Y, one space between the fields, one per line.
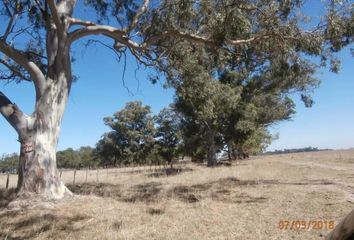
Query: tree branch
x=137 y=16
x=34 y=71
x=13 y=114
x=121 y=36
x=10 y=26
x=75 y=21
x=16 y=72
x=54 y=10
x=94 y=29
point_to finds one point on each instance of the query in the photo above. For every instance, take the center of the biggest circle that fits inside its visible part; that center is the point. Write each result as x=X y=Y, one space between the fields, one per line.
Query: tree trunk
x=233 y=152
x=344 y=230
x=229 y=152
x=38 y=167
x=211 y=148
x=38 y=135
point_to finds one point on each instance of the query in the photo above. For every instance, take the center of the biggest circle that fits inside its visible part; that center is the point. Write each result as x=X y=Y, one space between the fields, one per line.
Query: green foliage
x=131 y=138
x=81 y=158
x=9 y=163
x=168 y=135
x=228 y=96
x=140 y=138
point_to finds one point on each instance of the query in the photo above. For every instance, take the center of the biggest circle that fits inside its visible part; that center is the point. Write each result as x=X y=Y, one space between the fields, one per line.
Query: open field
x=244 y=201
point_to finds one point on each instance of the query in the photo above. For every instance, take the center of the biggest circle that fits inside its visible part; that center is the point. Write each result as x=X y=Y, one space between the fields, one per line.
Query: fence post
x=86 y=175
x=61 y=172
x=74 y=177
x=97 y=175
x=7 y=180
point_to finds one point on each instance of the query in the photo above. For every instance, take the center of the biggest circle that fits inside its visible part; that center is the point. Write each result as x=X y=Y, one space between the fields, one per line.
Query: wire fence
x=74 y=176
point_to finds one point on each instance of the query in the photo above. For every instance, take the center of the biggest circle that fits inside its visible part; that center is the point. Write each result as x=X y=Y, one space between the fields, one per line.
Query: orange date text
x=305 y=225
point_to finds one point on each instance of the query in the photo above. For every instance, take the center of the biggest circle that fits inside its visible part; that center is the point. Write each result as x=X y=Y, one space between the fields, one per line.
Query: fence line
x=75 y=177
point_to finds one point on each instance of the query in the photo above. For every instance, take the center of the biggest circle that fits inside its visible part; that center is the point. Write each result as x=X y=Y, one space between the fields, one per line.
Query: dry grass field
x=244 y=201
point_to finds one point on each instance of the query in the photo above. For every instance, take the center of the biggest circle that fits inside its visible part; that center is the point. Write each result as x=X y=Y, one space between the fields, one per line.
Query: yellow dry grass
x=244 y=201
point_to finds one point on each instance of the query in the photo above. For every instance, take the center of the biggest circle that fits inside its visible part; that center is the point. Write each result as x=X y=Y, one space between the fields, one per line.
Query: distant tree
x=70 y=158
x=37 y=39
x=258 y=108
x=86 y=156
x=168 y=135
x=9 y=163
x=108 y=151
x=202 y=101
x=132 y=136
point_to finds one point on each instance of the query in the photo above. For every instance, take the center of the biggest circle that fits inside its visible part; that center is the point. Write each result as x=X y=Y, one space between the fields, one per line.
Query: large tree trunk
x=39 y=132
x=38 y=168
x=38 y=135
x=211 y=148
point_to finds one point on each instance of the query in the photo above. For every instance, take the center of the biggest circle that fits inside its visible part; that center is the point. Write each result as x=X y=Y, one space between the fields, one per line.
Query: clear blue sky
x=99 y=92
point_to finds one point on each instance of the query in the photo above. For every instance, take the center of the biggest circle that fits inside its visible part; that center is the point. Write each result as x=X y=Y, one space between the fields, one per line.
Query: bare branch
x=34 y=71
x=92 y=29
x=13 y=114
x=137 y=16
x=16 y=72
x=75 y=21
x=10 y=26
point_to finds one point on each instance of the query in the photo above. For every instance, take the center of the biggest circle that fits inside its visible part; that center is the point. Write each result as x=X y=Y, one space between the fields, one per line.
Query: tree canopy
x=132 y=135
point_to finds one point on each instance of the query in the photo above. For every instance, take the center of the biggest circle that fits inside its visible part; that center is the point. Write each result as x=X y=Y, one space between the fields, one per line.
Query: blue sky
x=99 y=92
x=330 y=121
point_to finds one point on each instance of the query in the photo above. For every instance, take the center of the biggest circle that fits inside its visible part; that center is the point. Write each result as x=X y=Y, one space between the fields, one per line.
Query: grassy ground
x=244 y=201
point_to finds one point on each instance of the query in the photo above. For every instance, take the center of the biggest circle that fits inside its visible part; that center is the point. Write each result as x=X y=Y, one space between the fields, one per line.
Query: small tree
x=132 y=135
x=168 y=135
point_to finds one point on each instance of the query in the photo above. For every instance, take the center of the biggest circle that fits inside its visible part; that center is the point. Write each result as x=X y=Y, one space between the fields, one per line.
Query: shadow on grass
x=22 y=224
x=168 y=172
x=229 y=189
x=224 y=190
x=148 y=192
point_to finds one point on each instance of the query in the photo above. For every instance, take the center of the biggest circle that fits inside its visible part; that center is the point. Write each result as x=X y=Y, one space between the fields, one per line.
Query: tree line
x=297 y=150
x=139 y=137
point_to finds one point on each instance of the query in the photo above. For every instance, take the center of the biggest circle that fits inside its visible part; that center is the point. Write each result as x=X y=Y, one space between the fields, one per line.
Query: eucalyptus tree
x=132 y=135
x=151 y=32
x=259 y=107
x=108 y=150
x=168 y=135
x=202 y=101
